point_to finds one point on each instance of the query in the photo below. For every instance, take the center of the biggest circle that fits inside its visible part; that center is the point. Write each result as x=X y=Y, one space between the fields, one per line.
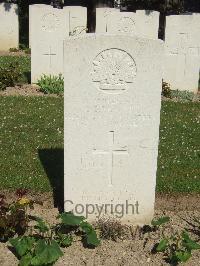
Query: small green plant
x=166 y=90
x=14 y=50
x=155 y=224
x=27 y=51
x=9 y=75
x=183 y=96
x=22 y=46
x=160 y=221
x=51 y=84
x=70 y=222
x=13 y=217
x=35 y=251
x=43 y=246
x=177 y=248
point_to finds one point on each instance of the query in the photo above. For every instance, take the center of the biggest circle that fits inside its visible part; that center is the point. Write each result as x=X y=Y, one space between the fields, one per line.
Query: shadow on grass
x=199 y=82
x=27 y=76
x=53 y=163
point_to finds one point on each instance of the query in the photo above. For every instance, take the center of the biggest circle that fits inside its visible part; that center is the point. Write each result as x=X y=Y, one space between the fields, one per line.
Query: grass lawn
x=31 y=144
x=24 y=63
x=179 y=149
x=31 y=132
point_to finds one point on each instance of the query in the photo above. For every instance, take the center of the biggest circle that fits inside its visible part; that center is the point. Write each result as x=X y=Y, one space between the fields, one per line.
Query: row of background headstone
x=165 y=9
x=9 y=27
x=49 y=26
x=182 y=43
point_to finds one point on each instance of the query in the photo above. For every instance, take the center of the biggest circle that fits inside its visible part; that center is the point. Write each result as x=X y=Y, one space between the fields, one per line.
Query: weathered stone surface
x=143 y=23
x=102 y=15
x=112 y=112
x=148 y=23
x=9 y=26
x=123 y=22
x=33 y=9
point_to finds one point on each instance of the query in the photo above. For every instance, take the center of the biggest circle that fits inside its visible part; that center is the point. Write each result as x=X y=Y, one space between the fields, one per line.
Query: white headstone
x=112 y=113
x=148 y=23
x=9 y=26
x=182 y=47
x=49 y=27
x=102 y=14
x=123 y=22
x=77 y=20
x=143 y=23
x=33 y=9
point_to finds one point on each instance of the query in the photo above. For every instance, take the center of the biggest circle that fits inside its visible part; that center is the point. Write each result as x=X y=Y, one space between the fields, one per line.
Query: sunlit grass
x=179 y=149
x=30 y=125
x=27 y=126
x=24 y=63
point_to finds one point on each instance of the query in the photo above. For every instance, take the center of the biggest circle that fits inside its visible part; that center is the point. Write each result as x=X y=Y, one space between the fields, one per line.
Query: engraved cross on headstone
x=50 y=54
x=111 y=151
x=182 y=49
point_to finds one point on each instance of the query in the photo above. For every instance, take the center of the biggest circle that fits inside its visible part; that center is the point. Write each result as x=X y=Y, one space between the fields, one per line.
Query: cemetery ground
x=23 y=61
x=31 y=146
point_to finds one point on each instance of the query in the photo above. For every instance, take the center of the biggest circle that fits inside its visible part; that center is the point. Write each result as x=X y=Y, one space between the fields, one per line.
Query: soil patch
x=196 y=98
x=33 y=90
x=134 y=249
x=25 y=90
x=164 y=202
x=178 y=202
x=18 y=53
